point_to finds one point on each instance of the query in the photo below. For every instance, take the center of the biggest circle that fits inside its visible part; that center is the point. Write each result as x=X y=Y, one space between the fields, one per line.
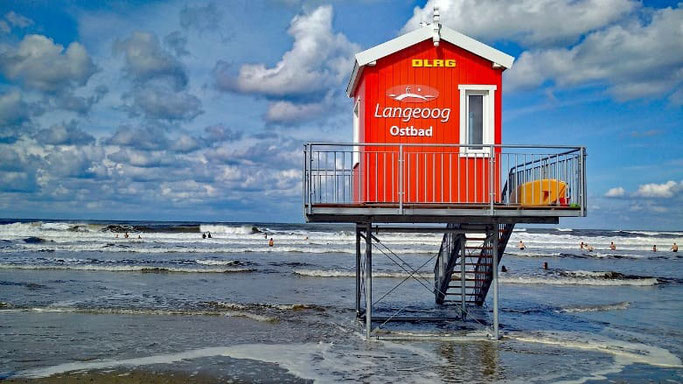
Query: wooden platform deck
x=437 y=213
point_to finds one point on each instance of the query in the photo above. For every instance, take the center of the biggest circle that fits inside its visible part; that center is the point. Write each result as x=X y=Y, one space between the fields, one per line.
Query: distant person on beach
x=521 y=245
x=612 y=246
x=271 y=242
x=674 y=248
x=654 y=248
x=203 y=235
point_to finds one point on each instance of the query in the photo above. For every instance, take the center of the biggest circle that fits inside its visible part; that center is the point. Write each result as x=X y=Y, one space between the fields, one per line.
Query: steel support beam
x=368 y=281
x=495 y=281
x=358 y=293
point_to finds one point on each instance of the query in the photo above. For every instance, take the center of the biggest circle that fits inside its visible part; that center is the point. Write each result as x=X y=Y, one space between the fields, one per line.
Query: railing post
x=583 y=182
x=401 y=192
x=310 y=170
x=304 y=180
x=491 y=178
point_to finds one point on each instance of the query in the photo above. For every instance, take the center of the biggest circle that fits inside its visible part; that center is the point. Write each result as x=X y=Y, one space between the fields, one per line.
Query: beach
x=79 y=304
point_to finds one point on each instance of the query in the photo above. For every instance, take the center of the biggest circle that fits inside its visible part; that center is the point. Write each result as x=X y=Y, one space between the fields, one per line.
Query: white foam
x=123 y=268
x=216 y=262
x=624 y=352
x=554 y=280
x=339 y=273
x=597 y=308
x=319 y=362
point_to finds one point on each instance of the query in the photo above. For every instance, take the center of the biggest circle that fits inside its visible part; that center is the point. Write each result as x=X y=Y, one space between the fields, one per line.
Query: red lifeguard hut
x=427 y=148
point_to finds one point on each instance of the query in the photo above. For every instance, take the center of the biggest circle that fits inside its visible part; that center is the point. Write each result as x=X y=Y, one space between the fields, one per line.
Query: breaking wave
x=124 y=268
x=596 y=308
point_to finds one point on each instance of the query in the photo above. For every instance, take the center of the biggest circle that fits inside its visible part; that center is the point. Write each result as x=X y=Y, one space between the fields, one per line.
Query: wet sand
x=120 y=377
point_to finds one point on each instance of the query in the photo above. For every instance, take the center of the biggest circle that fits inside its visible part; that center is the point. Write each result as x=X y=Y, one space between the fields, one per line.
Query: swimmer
x=203 y=235
x=126 y=235
x=139 y=237
x=208 y=234
x=271 y=242
x=117 y=235
x=654 y=248
x=612 y=246
x=674 y=248
x=582 y=245
x=521 y=245
x=589 y=248
x=503 y=269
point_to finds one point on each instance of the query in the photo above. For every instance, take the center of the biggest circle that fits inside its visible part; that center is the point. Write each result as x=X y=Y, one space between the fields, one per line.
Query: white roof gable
x=426 y=32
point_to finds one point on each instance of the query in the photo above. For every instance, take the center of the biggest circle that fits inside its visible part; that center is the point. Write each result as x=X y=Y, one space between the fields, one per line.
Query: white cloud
x=13 y=110
x=319 y=59
x=41 y=64
x=18 y=20
x=634 y=59
x=146 y=59
x=615 y=192
x=161 y=102
x=531 y=22
x=64 y=134
x=660 y=191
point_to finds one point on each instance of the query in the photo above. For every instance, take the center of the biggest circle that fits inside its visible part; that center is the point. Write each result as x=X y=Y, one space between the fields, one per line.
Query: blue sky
x=179 y=110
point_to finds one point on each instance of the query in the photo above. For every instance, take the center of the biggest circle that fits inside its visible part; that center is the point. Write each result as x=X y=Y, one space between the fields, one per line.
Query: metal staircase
x=464 y=267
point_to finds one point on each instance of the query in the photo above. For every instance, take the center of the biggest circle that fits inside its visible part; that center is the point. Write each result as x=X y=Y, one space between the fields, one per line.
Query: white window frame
x=489 y=117
x=356 y=132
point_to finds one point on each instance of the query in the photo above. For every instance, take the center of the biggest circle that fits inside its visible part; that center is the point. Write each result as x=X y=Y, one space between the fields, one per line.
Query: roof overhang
x=370 y=56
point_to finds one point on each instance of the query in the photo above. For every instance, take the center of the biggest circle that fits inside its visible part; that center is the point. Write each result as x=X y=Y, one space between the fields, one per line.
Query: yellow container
x=541 y=192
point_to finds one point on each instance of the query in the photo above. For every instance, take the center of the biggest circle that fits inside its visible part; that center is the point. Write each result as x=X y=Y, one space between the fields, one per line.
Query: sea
x=80 y=296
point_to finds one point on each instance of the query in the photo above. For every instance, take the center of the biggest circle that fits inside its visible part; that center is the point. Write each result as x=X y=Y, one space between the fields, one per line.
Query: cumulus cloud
x=530 y=22
x=13 y=109
x=64 y=134
x=148 y=138
x=319 y=59
x=146 y=59
x=616 y=192
x=220 y=133
x=635 y=59
x=76 y=162
x=162 y=102
x=41 y=64
x=185 y=143
x=660 y=191
x=287 y=111
x=143 y=159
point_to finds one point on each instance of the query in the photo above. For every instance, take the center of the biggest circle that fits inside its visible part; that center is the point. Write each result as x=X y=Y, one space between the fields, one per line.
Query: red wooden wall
x=441 y=175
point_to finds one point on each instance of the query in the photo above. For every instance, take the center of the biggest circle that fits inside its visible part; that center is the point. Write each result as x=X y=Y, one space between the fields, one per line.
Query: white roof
x=419 y=35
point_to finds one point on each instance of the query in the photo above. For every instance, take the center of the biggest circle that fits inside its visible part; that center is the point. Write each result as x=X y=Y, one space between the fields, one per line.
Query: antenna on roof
x=436 y=26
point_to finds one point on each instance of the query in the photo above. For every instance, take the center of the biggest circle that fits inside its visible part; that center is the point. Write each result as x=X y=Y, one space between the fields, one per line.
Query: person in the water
x=521 y=245
x=271 y=242
x=654 y=248
x=674 y=248
x=208 y=234
x=612 y=246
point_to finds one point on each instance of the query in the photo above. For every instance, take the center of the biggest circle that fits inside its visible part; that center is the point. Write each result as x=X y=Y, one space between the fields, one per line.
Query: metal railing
x=393 y=174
